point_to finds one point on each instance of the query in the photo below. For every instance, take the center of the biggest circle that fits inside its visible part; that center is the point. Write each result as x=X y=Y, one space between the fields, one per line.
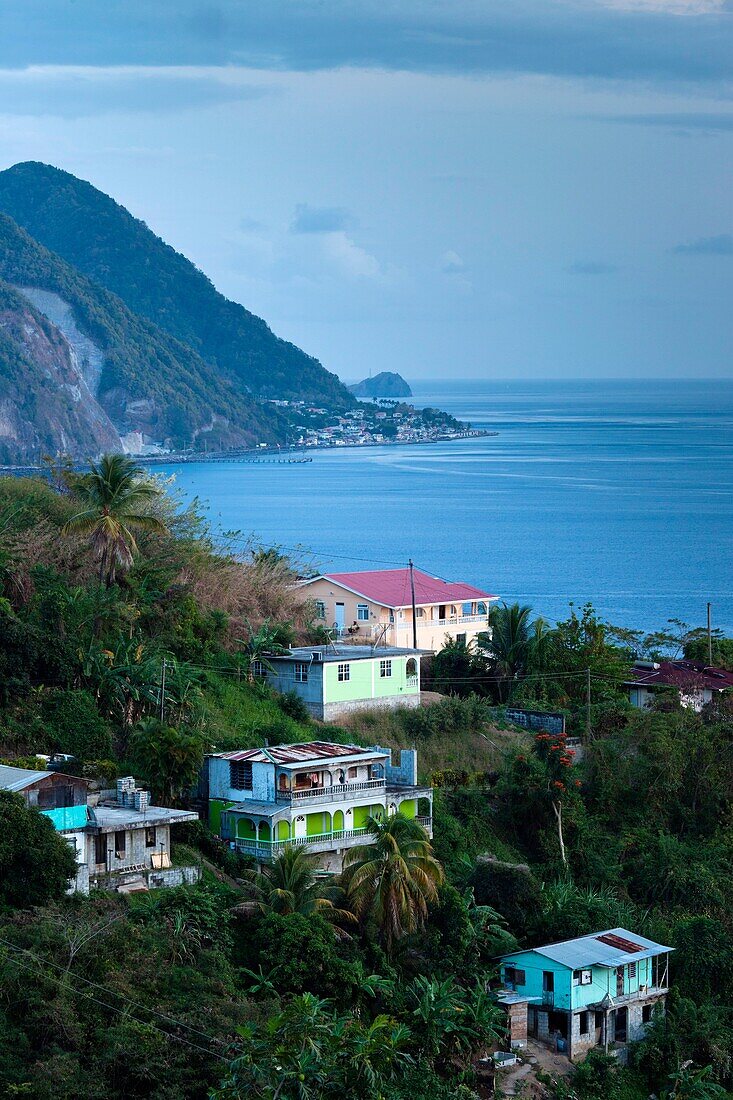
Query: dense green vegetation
x=100 y=238
x=375 y=984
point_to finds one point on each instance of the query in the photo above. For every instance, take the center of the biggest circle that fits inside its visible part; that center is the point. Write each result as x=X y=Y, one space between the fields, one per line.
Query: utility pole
x=414 y=609
x=710 y=641
x=162 y=691
x=587 y=705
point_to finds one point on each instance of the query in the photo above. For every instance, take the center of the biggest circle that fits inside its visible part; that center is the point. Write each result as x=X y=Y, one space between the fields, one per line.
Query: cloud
x=688 y=40
x=684 y=121
x=320 y=219
x=350 y=257
x=250 y=225
x=84 y=91
x=452 y=264
x=591 y=267
x=721 y=245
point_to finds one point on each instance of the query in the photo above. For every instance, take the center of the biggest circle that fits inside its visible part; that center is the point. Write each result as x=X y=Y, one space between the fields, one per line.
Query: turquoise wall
x=533 y=965
x=67 y=817
x=570 y=994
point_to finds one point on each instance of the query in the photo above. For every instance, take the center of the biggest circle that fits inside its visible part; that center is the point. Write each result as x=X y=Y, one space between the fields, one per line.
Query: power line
x=113 y=993
x=42 y=963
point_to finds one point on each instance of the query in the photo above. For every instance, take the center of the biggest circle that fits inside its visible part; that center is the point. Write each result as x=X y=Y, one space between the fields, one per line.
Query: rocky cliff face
x=46 y=404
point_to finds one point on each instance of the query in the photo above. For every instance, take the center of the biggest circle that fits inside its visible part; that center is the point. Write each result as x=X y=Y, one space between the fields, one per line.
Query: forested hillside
x=105 y=242
x=149 y=381
x=283 y=985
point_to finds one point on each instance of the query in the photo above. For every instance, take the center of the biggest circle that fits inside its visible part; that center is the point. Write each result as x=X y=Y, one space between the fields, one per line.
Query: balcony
x=320 y=842
x=426 y=822
x=337 y=792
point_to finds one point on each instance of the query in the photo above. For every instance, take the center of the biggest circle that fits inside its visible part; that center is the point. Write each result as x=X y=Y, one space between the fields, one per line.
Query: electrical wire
x=42 y=964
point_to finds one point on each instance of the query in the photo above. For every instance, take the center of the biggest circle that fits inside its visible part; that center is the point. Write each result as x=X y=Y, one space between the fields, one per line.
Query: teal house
x=594 y=991
x=334 y=680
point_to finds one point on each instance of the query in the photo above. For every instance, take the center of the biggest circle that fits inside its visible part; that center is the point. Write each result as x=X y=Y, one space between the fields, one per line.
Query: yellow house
x=376 y=607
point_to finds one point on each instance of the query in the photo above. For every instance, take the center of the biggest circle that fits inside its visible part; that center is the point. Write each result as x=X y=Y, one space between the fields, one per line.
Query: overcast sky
x=447 y=188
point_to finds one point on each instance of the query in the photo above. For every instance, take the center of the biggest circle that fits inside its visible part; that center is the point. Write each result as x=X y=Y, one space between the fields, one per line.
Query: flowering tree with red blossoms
x=557 y=758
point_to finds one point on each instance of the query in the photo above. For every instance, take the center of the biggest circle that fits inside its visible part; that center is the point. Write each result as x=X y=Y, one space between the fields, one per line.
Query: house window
x=585 y=1023
x=150 y=837
x=320 y=609
x=362 y=612
x=632 y=970
x=100 y=848
x=120 y=844
x=352 y=773
x=582 y=977
x=461 y=639
x=514 y=977
x=646 y=1014
x=240 y=775
x=301 y=673
x=391 y=615
x=257 y=668
x=344 y=673
x=385 y=669
x=420 y=612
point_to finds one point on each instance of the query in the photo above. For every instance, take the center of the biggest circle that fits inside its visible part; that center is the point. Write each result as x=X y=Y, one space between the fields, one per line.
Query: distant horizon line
x=636 y=379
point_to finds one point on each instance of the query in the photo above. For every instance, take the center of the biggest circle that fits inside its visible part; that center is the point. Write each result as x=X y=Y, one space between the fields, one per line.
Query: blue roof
x=614 y=947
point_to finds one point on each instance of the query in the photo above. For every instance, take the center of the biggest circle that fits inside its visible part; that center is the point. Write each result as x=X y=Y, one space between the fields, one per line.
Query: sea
x=617 y=493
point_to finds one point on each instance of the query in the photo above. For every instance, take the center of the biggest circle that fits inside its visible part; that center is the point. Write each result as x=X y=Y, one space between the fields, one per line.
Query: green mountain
x=106 y=243
x=78 y=369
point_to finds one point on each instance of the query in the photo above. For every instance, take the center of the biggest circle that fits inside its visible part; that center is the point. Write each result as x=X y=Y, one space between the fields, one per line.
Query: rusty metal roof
x=303 y=753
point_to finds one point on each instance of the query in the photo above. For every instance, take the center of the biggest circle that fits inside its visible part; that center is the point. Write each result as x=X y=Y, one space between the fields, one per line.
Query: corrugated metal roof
x=685 y=675
x=17 y=779
x=594 y=951
x=299 y=754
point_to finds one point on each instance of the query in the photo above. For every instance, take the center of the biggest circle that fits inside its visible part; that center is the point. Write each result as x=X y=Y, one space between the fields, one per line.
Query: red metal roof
x=685 y=675
x=391 y=587
x=297 y=754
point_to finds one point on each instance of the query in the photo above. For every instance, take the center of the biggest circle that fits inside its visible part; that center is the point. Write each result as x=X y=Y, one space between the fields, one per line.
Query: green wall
x=216 y=805
x=359 y=685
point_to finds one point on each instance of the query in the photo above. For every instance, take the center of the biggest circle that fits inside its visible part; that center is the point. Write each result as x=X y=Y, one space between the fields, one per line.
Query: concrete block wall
x=332 y=711
x=174 y=876
x=406 y=771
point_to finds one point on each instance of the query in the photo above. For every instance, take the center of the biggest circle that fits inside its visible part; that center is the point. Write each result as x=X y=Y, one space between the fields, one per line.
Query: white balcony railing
x=268 y=849
x=337 y=792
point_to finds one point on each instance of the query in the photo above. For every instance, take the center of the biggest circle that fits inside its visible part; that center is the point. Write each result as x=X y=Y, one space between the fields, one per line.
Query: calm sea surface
x=615 y=492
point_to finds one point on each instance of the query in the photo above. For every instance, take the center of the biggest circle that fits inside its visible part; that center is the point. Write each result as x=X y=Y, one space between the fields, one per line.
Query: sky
x=445 y=188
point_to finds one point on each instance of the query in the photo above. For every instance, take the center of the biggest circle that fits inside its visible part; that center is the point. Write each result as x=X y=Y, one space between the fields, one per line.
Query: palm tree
x=392 y=879
x=515 y=644
x=168 y=759
x=115 y=497
x=290 y=885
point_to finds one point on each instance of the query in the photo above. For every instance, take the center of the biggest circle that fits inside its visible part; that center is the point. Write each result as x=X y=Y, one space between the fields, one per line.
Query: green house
x=338 y=679
x=599 y=990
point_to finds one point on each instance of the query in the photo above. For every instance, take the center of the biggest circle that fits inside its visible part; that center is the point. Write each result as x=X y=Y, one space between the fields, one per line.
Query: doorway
x=340 y=619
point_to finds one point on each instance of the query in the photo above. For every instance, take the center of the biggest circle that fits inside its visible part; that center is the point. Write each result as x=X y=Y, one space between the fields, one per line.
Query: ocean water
x=620 y=493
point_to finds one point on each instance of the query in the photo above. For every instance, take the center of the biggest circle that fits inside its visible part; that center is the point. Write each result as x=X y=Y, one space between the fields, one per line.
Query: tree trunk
x=557 y=807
